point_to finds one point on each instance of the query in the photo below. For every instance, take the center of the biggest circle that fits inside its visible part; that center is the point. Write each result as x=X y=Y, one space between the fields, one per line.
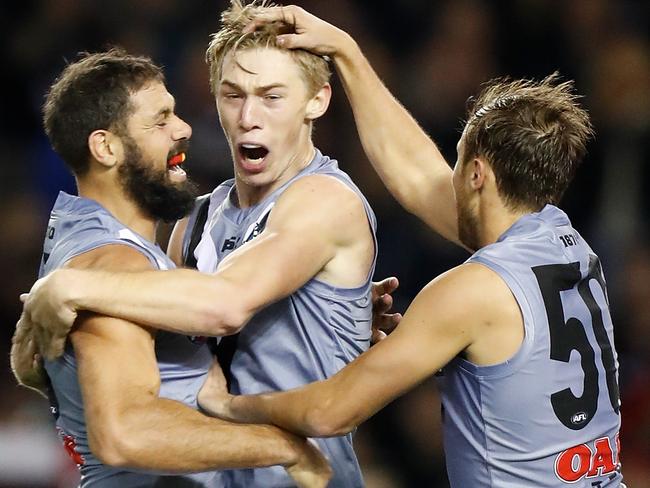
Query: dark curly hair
x=93 y=93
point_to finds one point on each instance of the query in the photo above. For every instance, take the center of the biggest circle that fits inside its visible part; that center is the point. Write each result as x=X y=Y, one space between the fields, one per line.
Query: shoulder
x=111 y=257
x=323 y=197
x=467 y=281
x=320 y=183
x=470 y=295
x=321 y=205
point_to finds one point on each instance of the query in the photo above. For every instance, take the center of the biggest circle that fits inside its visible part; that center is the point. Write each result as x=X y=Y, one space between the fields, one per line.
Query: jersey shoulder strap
x=201 y=212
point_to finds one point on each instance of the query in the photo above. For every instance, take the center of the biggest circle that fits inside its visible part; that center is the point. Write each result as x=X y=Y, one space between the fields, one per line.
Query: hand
x=51 y=316
x=312 y=469
x=213 y=397
x=307 y=31
x=383 y=323
x=26 y=363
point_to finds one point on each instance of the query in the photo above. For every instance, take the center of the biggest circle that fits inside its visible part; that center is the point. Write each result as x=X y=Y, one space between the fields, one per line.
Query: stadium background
x=432 y=55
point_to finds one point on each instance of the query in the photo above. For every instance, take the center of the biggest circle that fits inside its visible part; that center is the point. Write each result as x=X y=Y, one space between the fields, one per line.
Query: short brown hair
x=534 y=136
x=90 y=94
x=315 y=69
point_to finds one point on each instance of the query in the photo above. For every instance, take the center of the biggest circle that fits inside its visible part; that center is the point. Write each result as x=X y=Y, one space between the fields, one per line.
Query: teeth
x=176 y=169
x=251 y=146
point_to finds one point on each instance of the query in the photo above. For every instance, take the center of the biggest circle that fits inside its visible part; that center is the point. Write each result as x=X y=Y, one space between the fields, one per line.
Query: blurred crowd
x=432 y=55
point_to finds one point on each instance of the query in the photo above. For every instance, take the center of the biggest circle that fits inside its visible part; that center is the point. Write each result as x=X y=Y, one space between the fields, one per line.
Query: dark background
x=432 y=55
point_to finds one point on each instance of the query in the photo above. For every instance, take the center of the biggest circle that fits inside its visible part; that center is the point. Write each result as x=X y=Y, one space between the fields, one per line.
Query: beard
x=151 y=189
x=467 y=223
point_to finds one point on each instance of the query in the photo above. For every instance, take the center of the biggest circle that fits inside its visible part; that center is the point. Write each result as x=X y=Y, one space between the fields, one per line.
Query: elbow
x=236 y=319
x=413 y=202
x=224 y=322
x=325 y=422
x=226 y=318
x=114 y=446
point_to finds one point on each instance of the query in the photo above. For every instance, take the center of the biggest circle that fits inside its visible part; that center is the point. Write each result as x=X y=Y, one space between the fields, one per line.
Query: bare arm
x=467 y=309
x=316 y=218
x=407 y=160
x=130 y=426
x=31 y=336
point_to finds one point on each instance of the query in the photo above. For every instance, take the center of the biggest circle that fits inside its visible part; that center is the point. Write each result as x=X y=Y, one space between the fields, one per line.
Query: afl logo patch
x=578 y=418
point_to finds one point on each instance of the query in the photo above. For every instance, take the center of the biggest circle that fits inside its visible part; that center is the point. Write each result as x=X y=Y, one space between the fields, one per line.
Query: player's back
x=305 y=337
x=549 y=416
x=78 y=225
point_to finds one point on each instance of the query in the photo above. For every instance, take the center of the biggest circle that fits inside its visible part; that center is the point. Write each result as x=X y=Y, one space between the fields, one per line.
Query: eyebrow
x=166 y=111
x=262 y=88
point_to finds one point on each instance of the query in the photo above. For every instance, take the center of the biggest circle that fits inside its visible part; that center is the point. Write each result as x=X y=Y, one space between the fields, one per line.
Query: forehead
x=261 y=67
x=461 y=142
x=151 y=100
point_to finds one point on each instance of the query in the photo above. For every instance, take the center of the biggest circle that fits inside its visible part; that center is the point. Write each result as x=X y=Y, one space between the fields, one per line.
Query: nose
x=249 y=117
x=182 y=130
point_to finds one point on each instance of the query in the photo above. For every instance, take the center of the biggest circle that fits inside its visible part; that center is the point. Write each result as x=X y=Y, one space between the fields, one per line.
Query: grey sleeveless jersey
x=78 y=225
x=549 y=416
x=306 y=337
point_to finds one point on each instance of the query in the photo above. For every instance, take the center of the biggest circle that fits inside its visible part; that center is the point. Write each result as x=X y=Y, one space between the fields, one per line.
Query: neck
x=249 y=195
x=495 y=219
x=112 y=197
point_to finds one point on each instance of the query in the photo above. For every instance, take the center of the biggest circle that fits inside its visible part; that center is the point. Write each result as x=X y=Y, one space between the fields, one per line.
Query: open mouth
x=174 y=163
x=253 y=153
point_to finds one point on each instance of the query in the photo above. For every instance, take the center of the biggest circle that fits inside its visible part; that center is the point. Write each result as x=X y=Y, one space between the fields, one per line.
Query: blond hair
x=230 y=37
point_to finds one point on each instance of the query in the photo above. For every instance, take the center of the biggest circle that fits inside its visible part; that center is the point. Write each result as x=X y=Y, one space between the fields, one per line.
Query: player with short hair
x=291 y=239
x=520 y=336
x=124 y=395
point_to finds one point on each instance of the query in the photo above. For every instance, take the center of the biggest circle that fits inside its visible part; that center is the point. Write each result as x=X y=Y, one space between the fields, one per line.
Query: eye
x=162 y=124
x=232 y=95
x=272 y=96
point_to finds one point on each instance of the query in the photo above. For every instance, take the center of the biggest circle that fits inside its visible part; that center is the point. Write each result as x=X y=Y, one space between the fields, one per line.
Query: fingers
x=385 y=286
x=284 y=14
x=382 y=301
x=288 y=41
x=377 y=336
x=37 y=362
x=387 y=322
x=383 y=325
x=55 y=348
x=382 y=304
x=390 y=321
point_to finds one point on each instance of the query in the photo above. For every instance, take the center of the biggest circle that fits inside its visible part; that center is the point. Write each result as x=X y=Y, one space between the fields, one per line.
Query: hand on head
x=306 y=31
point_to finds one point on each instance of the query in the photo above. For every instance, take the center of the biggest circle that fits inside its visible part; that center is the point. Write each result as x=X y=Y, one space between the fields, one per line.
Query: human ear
x=318 y=104
x=104 y=147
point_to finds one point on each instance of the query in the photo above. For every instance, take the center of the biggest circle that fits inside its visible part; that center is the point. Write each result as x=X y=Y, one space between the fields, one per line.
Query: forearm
x=168 y=436
x=183 y=301
x=326 y=408
x=315 y=410
x=406 y=159
x=284 y=409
